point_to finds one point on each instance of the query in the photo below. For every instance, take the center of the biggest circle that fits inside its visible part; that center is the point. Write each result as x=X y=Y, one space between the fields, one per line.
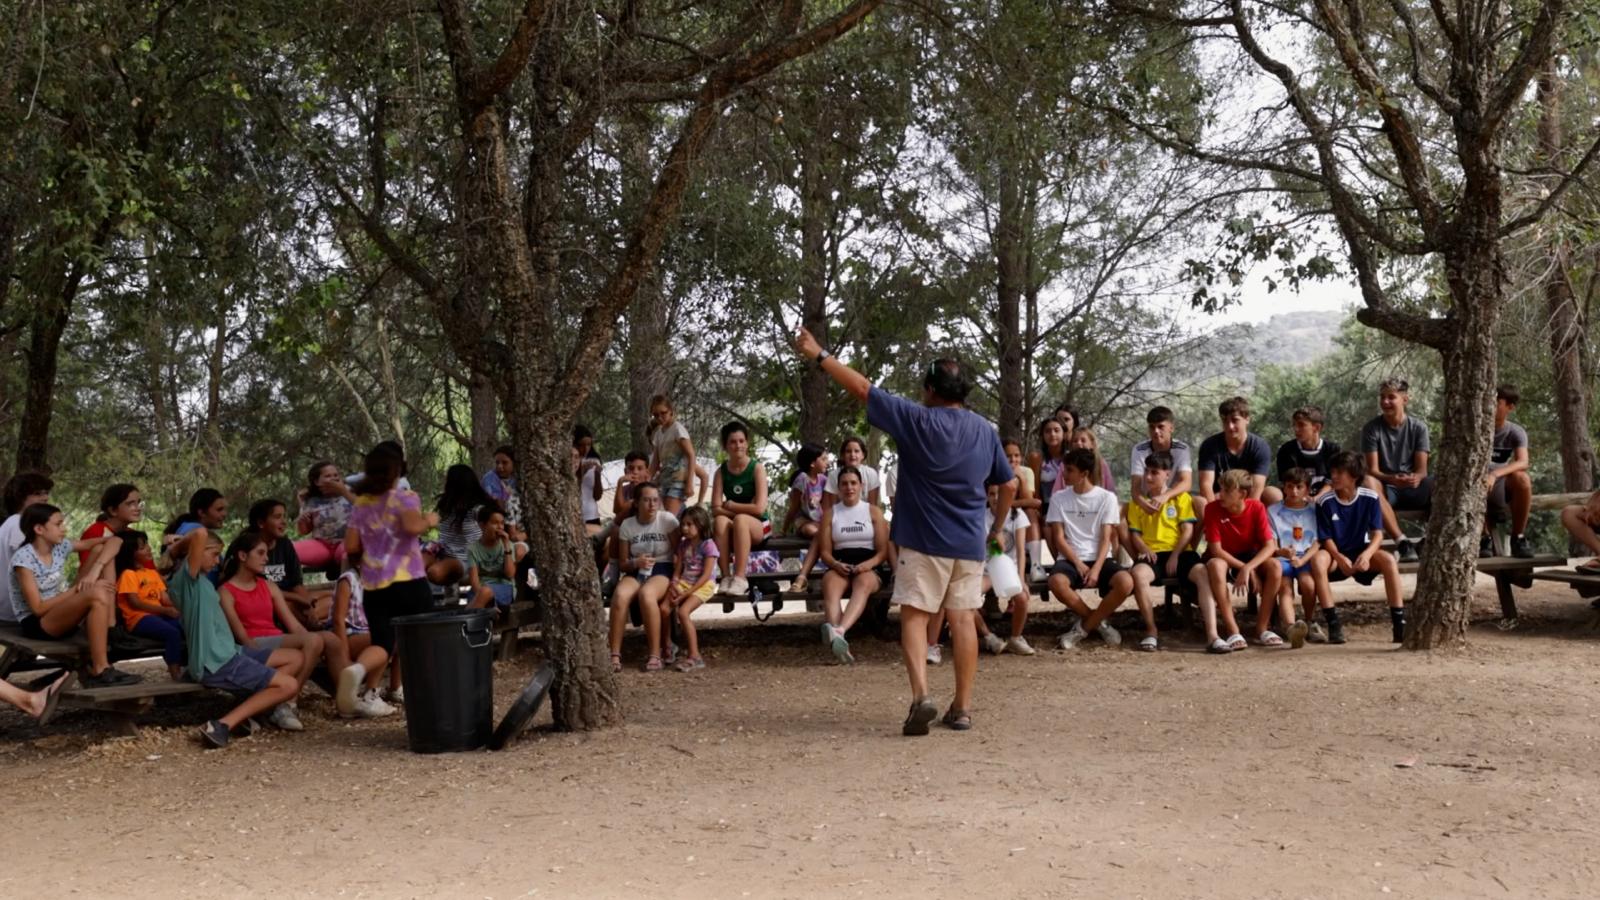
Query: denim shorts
x=504 y=592
x=246 y=673
x=664 y=569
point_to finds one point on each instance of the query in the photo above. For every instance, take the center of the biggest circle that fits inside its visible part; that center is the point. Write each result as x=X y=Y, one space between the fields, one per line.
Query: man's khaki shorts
x=932 y=583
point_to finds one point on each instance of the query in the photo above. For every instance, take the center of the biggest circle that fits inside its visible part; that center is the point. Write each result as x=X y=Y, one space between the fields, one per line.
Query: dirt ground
x=1348 y=771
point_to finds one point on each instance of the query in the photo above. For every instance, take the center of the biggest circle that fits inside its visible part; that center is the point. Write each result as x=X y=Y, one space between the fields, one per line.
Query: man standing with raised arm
x=948 y=458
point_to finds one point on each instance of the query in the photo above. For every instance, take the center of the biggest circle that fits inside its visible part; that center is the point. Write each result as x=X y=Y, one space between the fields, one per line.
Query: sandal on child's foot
x=616 y=662
x=1236 y=641
x=653 y=664
x=690 y=664
x=1269 y=639
x=1150 y=643
x=1218 y=646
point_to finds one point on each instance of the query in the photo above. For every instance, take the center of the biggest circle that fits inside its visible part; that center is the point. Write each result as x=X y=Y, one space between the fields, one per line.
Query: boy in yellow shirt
x=1155 y=539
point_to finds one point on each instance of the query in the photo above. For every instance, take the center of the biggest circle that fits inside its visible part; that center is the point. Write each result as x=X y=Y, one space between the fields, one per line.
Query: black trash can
x=448 y=667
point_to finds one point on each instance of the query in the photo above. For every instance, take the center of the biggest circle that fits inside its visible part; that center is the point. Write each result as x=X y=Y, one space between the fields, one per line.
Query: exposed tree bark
x=1567 y=331
x=648 y=355
x=816 y=213
x=484 y=430
x=1009 y=241
x=44 y=347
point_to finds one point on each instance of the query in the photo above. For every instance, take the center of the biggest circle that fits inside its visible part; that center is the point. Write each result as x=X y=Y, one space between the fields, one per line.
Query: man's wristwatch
x=822 y=357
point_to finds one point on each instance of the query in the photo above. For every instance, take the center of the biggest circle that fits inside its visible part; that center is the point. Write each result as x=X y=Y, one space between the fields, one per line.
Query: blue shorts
x=664 y=569
x=246 y=673
x=1289 y=571
x=673 y=489
x=504 y=592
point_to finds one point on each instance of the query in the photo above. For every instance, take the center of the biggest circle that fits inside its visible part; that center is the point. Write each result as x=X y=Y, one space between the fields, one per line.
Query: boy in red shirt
x=1239 y=541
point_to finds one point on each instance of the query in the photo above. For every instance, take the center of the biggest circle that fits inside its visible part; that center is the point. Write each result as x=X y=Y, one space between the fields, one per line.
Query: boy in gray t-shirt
x=1396 y=448
x=1506 y=479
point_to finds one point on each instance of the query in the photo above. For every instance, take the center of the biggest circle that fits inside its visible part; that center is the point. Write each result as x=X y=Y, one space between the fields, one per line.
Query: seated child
x=215 y=660
x=1082 y=522
x=358 y=668
x=1396 y=447
x=325 y=504
x=491 y=561
x=257 y=614
x=1294 y=521
x=1158 y=540
x=1012 y=540
x=47 y=607
x=693 y=564
x=1507 y=482
x=1583 y=522
x=853 y=541
x=142 y=600
x=805 y=491
x=1240 y=548
x=1350 y=527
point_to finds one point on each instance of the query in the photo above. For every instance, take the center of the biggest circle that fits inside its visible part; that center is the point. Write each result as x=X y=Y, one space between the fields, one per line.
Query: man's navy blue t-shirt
x=948 y=458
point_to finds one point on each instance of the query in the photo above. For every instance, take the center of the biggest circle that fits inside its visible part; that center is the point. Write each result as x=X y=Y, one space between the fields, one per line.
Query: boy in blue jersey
x=1294 y=521
x=1350 y=526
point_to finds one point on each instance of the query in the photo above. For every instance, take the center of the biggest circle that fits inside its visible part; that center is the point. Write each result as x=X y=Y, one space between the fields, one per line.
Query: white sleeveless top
x=852 y=526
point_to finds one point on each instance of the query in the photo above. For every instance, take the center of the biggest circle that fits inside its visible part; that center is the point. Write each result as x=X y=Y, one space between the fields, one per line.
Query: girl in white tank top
x=852 y=527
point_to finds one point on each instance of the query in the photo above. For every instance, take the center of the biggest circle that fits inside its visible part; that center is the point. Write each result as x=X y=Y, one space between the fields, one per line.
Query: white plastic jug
x=1002 y=572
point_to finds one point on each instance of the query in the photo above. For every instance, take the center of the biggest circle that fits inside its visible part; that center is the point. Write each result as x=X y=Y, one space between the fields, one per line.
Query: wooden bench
x=72 y=653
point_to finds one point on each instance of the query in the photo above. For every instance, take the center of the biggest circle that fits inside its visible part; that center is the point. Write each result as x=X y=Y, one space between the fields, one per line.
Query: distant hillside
x=1291 y=339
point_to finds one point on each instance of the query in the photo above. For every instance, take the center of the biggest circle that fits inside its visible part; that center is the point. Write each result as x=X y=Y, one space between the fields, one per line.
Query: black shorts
x=1362 y=578
x=1108 y=570
x=1187 y=560
x=384 y=605
x=1414 y=498
x=1499 y=506
x=853 y=556
x=33 y=630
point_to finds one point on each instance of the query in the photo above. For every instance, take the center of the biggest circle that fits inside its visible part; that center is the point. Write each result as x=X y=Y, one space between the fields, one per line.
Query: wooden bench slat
x=123 y=692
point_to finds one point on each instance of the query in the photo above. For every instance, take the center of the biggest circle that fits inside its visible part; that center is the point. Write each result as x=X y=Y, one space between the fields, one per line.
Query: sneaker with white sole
x=1019 y=646
x=1318 y=634
x=371 y=706
x=994 y=643
x=935 y=655
x=1072 y=638
x=348 y=692
x=1111 y=636
x=398 y=695
x=286 y=717
x=738 y=585
x=1036 y=572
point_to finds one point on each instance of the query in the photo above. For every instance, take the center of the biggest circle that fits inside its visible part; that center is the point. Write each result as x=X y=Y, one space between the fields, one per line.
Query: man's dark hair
x=1297 y=475
x=1350 y=463
x=23 y=485
x=948 y=381
x=1508 y=393
x=1159 y=414
x=1082 y=459
x=1160 y=459
x=1234 y=406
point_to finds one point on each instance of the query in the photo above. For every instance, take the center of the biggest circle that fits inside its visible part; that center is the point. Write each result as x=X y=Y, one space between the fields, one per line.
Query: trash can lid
x=521 y=714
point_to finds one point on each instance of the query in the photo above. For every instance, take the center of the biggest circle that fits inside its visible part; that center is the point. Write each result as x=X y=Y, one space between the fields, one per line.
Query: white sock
x=1034 y=555
x=361 y=674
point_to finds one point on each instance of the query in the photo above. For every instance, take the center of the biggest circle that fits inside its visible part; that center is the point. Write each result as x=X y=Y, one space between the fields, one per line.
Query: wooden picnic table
x=72 y=654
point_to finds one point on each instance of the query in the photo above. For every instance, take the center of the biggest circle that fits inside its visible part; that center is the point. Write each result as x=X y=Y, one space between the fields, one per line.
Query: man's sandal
x=957 y=720
x=922 y=712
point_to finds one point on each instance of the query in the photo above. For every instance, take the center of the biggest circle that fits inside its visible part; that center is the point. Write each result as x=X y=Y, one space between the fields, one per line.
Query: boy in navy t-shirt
x=1350 y=526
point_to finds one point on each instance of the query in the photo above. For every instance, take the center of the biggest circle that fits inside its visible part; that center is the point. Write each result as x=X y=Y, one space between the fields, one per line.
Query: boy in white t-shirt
x=1294 y=521
x=1082 y=523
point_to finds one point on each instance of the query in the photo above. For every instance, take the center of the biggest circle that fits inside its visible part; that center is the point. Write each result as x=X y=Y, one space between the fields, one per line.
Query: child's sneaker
x=214 y=734
x=994 y=644
x=285 y=717
x=347 y=694
x=671 y=656
x=935 y=655
x=1071 y=639
x=1317 y=634
x=1111 y=636
x=1336 y=633
x=398 y=695
x=371 y=706
x=1408 y=551
x=1019 y=646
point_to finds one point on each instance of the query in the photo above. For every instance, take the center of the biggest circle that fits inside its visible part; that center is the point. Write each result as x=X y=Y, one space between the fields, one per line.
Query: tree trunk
x=44 y=347
x=1011 y=268
x=484 y=429
x=1567 y=333
x=647 y=357
x=1442 y=604
x=816 y=211
x=214 y=367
